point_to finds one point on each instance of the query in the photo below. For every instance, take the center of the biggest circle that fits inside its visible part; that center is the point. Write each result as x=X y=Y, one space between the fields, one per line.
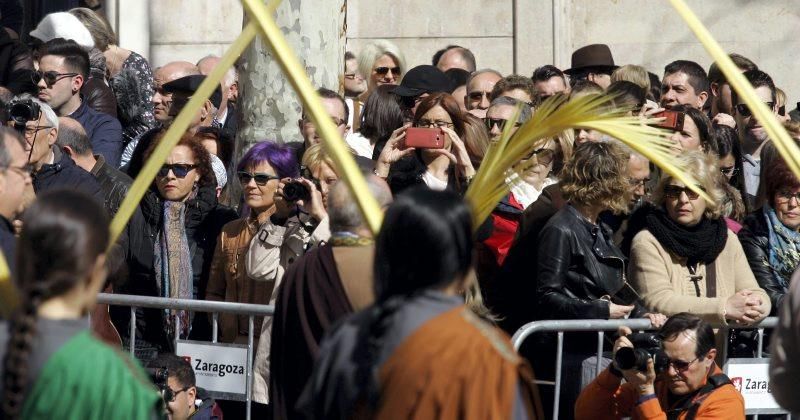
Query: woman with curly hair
x=686 y=259
x=171 y=241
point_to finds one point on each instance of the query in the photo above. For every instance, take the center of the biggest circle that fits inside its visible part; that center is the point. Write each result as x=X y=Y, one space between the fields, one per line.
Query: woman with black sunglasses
x=169 y=247
x=687 y=260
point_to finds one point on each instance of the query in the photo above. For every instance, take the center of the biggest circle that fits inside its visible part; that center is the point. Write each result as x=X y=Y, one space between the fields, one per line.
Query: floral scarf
x=173 y=263
x=784 y=246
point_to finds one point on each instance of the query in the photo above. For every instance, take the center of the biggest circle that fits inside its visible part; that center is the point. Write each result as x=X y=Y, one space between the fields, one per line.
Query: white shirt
x=433 y=183
x=360 y=144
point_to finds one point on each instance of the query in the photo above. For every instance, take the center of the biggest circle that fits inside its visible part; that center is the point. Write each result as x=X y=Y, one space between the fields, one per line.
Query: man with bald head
x=162 y=110
x=324 y=285
x=456 y=57
x=479 y=91
x=226 y=119
x=74 y=142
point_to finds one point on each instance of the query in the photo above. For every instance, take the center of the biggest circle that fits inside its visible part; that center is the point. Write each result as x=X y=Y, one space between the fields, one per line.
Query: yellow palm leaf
x=555 y=116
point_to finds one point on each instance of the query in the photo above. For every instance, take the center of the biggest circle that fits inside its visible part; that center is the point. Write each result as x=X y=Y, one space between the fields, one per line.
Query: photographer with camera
x=183 y=399
x=669 y=374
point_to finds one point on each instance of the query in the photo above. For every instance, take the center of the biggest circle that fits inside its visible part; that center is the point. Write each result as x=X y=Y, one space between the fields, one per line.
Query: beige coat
x=784 y=363
x=662 y=279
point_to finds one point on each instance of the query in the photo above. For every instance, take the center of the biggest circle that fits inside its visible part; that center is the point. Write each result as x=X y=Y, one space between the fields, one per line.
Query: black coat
x=204 y=220
x=63 y=173
x=114 y=184
x=754 y=237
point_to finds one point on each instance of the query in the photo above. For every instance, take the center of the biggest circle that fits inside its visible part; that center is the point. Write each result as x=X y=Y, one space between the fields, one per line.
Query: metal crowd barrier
x=205 y=306
x=601 y=326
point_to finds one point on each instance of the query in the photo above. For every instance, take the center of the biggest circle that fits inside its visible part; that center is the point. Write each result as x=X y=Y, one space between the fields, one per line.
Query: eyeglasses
x=50 y=77
x=782 y=110
x=745 y=110
x=674 y=191
x=260 y=177
x=680 y=365
x=383 y=71
x=785 y=196
x=179 y=169
x=729 y=170
x=353 y=76
x=478 y=96
x=170 y=395
x=434 y=124
x=500 y=122
x=31 y=131
x=635 y=183
x=336 y=121
x=544 y=156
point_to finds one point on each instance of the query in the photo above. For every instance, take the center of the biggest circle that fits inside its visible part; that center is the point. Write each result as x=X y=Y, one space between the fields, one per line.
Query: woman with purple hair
x=258 y=171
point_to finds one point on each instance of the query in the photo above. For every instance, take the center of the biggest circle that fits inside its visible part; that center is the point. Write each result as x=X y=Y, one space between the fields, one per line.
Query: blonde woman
x=382 y=63
x=686 y=259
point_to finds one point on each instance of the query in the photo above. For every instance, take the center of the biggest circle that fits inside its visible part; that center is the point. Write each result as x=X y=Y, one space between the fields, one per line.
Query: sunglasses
x=745 y=110
x=499 y=122
x=260 y=177
x=543 y=156
x=674 y=191
x=782 y=110
x=383 y=71
x=50 y=77
x=680 y=365
x=179 y=169
x=478 y=95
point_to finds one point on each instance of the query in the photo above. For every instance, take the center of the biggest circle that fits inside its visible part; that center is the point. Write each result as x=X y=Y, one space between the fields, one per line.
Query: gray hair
x=75 y=137
x=343 y=211
x=374 y=50
x=525 y=112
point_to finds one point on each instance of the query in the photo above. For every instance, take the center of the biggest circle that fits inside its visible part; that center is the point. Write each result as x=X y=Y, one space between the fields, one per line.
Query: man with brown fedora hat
x=594 y=63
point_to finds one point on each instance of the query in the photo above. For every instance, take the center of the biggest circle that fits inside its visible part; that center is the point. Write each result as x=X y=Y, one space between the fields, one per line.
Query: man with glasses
x=183 y=398
x=51 y=167
x=752 y=135
x=63 y=69
x=479 y=91
x=690 y=386
x=15 y=181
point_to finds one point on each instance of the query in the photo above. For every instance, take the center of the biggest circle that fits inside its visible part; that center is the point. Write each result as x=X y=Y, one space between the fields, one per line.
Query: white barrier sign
x=751 y=378
x=219 y=368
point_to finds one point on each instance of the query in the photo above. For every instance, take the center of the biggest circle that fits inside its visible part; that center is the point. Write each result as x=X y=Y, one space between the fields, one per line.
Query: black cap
x=423 y=79
x=188 y=85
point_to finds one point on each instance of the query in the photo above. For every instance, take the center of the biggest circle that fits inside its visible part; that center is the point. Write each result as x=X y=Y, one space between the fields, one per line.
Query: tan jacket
x=272 y=251
x=784 y=363
x=662 y=279
x=229 y=281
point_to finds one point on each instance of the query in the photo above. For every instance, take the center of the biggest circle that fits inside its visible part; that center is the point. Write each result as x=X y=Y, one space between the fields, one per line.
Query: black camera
x=645 y=346
x=159 y=376
x=295 y=191
x=23 y=110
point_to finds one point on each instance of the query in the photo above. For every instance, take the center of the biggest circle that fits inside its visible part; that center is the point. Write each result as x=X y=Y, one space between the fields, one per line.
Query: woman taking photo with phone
x=52 y=365
x=445 y=167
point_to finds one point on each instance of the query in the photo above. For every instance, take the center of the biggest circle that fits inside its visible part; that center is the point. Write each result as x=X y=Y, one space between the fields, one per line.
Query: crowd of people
x=412 y=321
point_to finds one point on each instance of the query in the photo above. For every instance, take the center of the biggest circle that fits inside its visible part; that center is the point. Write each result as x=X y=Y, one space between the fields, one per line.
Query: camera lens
x=632 y=358
x=294 y=191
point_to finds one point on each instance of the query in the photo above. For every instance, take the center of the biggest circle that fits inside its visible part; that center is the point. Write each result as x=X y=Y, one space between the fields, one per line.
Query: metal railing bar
x=185 y=304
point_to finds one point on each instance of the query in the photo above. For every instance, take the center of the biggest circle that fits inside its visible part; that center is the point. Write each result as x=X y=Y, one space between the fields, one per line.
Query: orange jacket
x=607 y=398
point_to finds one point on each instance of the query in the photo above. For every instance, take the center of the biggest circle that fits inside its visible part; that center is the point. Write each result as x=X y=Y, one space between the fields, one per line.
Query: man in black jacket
x=15 y=179
x=53 y=169
x=114 y=184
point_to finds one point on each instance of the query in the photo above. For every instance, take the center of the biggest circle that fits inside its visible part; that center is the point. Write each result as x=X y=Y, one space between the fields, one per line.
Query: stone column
x=268 y=106
x=131 y=21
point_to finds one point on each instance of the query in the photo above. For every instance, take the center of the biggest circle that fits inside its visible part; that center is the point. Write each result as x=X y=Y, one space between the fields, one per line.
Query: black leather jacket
x=577 y=264
x=754 y=237
x=113 y=184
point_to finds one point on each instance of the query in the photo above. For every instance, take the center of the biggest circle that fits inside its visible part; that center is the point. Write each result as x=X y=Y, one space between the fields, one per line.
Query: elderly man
x=63 y=69
x=226 y=119
x=455 y=57
x=479 y=91
x=15 y=179
x=162 y=106
x=322 y=286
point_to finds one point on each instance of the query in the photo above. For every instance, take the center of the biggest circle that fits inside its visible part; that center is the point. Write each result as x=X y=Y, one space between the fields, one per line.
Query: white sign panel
x=217 y=367
x=751 y=378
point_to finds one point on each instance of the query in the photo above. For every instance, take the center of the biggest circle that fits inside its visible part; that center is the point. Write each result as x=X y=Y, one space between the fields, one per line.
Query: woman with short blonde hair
x=381 y=62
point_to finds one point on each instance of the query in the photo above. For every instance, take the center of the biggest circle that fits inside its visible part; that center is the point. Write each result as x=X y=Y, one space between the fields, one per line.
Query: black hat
x=423 y=79
x=188 y=85
x=595 y=55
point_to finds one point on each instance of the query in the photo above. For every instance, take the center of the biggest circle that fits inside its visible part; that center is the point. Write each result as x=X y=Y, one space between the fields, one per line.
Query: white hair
x=374 y=50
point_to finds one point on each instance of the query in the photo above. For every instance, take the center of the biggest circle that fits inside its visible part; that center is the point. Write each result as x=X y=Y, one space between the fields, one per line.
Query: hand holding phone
x=425 y=138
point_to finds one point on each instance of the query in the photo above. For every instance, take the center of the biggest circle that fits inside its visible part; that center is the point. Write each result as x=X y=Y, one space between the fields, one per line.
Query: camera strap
x=691 y=405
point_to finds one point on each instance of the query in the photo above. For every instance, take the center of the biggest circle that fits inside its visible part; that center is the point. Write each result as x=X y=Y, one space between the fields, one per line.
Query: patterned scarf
x=783 y=247
x=173 y=264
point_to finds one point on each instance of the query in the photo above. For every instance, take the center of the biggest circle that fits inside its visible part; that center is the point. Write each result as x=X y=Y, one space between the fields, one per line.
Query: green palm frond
x=554 y=116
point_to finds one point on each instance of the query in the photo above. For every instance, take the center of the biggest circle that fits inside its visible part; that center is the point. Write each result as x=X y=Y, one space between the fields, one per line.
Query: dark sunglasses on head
x=674 y=191
x=499 y=122
x=745 y=110
x=260 y=177
x=179 y=169
x=50 y=77
x=385 y=70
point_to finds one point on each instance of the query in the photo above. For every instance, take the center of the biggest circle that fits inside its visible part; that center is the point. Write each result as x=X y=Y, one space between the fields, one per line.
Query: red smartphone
x=673 y=120
x=425 y=138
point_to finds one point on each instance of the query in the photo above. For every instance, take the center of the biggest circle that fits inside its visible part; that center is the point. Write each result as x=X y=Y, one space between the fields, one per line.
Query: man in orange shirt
x=689 y=386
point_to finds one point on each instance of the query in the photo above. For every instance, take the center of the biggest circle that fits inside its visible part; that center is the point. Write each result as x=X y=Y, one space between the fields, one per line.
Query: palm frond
x=555 y=116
